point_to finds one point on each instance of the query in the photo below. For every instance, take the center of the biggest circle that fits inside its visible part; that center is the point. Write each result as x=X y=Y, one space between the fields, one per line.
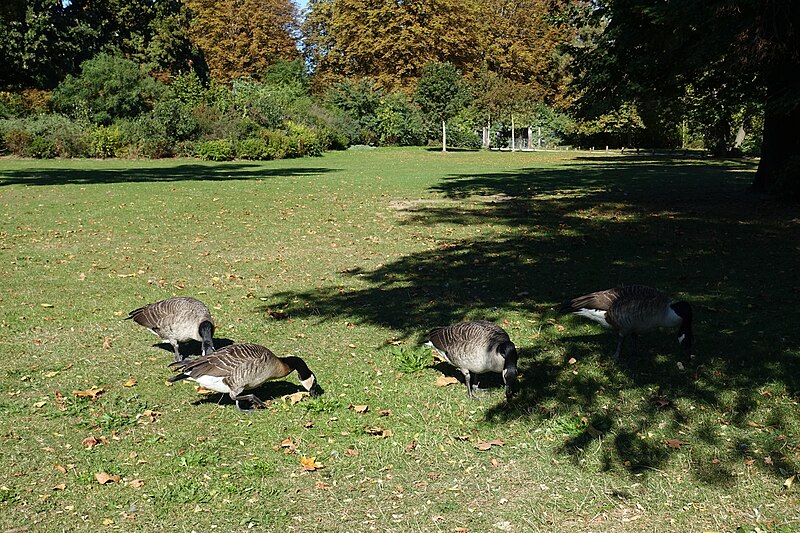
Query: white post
x=444 y=135
x=513 y=139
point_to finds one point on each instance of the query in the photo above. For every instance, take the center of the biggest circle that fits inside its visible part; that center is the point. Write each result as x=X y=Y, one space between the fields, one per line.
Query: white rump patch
x=213 y=383
x=594 y=314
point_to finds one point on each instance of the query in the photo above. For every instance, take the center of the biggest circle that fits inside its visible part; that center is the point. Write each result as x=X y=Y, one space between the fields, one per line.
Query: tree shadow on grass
x=173 y=173
x=685 y=227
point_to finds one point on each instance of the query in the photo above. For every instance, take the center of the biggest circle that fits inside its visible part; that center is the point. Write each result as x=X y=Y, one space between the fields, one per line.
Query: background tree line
x=256 y=79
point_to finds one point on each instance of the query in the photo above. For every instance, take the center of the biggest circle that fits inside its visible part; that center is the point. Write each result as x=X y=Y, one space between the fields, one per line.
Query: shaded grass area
x=347 y=260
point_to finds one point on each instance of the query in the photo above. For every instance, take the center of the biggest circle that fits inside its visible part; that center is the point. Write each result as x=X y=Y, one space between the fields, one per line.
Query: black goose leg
x=252 y=398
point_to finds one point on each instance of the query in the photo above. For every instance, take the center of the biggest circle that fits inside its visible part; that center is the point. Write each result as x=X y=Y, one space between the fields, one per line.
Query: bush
x=106 y=141
x=252 y=148
x=16 y=139
x=55 y=135
x=41 y=148
x=174 y=120
x=215 y=150
x=278 y=143
x=108 y=87
x=303 y=140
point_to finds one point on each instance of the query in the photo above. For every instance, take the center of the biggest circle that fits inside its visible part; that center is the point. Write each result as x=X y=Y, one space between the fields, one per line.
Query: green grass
x=347 y=260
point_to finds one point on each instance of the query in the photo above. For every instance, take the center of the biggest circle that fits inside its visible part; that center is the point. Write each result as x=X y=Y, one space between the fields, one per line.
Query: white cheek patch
x=681 y=338
x=308 y=383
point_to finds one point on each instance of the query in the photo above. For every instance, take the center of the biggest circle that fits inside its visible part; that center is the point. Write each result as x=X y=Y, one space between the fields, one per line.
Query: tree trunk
x=513 y=138
x=779 y=169
x=444 y=135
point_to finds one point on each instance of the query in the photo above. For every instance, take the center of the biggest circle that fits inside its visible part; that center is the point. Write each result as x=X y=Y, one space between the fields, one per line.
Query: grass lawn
x=347 y=260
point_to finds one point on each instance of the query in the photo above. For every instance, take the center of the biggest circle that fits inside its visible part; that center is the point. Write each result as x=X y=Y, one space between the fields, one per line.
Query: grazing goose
x=178 y=320
x=632 y=309
x=476 y=347
x=240 y=367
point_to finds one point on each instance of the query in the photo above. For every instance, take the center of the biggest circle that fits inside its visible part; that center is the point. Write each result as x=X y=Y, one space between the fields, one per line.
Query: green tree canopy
x=733 y=51
x=441 y=93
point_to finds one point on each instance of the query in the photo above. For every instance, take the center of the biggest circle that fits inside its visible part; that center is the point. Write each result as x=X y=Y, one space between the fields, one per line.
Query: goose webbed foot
x=252 y=398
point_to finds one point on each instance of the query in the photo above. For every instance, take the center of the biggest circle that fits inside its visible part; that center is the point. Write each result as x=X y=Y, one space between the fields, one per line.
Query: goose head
x=685 y=335
x=509 y=353
x=206 y=330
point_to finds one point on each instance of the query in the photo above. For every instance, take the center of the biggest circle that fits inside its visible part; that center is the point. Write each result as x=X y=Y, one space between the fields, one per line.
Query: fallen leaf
x=40 y=404
x=309 y=424
x=715 y=461
x=61 y=469
x=108 y=522
x=103 y=478
x=675 y=443
x=47 y=306
x=494 y=462
x=136 y=483
x=351 y=451
x=754 y=425
x=321 y=485
x=572 y=361
x=377 y=431
x=444 y=381
x=200 y=390
x=483 y=446
x=310 y=464
x=768 y=460
x=89 y=393
x=788 y=483
x=106 y=343
x=295 y=398
x=129 y=383
x=277 y=314
x=750 y=462
x=60 y=486
x=359 y=408
x=412 y=446
x=385 y=412
x=661 y=402
x=288 y=443
x=461 y=437
x=89 y=442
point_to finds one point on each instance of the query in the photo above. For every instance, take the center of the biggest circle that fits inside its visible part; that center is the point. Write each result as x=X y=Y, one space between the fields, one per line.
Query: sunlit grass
x=347 y=261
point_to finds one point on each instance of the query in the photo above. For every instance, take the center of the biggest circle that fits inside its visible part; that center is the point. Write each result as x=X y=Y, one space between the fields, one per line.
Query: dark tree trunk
x=779 y=169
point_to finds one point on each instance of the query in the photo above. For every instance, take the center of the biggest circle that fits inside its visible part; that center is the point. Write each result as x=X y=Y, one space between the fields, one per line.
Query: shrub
x=106 y=141
x=16 y=140
x=41 y=148
x=174 y=120
x=304 y=140
x=252 y=148
x=215 y=150
x=410 y=360
x=278 y=143
x=108 y=87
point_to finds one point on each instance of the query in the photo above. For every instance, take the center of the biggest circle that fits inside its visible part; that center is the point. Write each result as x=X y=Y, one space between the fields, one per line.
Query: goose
x=236 y=368
x=475 y=347
x=633 y=309
x=177 y=320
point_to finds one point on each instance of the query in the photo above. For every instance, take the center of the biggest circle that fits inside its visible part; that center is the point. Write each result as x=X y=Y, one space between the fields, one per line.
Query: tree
x=243 y=37
x=108 y=88
x=31 y=43
x=441 y=93
x=389 y=41
x=741 y=52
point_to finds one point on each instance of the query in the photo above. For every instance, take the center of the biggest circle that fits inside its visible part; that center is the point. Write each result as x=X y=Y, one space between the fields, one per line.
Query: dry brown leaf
x=359 y=408
x=675 y=443
x=200 y=390
x=385 y=412
x=462 y=437
x=89 y=442
x=129 y=383
x=321 y=485
x=494 y=462
x=89 y=393
x=788 y=483
x=377 y=431
x=310 y=464
x=288 y=443
x=750 y=462
x=483 y=446
x=103 y=478
x=444 y=381
x=61 y=469
x=412 y=446
x=308 y=424
x=297 y=397
x=60 y=486
x=768 y=460
x=136 y=483
x=106 y=343
x=572 y=361
x=754 y=425
x=351 y=451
